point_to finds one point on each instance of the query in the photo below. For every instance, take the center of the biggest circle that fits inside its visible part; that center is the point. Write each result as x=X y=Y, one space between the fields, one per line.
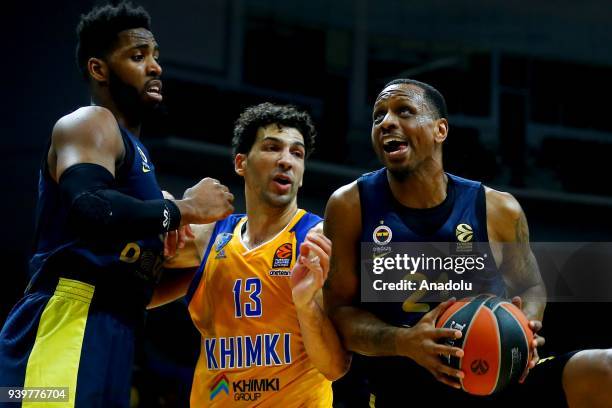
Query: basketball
x=495 y=341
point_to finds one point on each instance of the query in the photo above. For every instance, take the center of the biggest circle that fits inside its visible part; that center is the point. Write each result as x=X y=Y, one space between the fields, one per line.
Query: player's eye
x=137 y=57
x=271 y=147
x=298 y=153
x=404 y=111
x=378 y=117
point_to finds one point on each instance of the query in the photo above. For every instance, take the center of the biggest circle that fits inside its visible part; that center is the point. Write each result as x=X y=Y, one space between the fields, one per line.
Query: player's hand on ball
x=208 y=201
x=538 y=341
x=310 y=270
x=422 y=343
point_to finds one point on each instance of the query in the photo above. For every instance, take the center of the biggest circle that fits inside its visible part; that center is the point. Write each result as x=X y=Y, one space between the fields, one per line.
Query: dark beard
x=129 y=100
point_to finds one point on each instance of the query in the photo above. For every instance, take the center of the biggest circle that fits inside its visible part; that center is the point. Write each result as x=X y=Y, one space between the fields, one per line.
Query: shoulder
x=346 y=197
x=317 y=228
x=503 y=213
x=93 y=124
x=343 y=212
x=502 y=204
x=202 y=235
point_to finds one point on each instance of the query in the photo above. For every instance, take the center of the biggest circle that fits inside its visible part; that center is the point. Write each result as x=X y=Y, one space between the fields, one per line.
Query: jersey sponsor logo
x=262 y=350
x=253 y=388
x=250 y=389
x=218 y=384
x=145 y=163
x=280 y=272
x=464 y=233
x=282 y=256
x=382 y=235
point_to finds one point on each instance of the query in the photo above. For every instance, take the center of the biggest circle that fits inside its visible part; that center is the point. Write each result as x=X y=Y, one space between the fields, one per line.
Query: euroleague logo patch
x=464 y=233
x=282 y=256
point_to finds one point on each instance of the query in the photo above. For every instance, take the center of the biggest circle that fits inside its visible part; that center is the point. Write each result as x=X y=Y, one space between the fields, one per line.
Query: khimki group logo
x=382 y=234
x=219 y=383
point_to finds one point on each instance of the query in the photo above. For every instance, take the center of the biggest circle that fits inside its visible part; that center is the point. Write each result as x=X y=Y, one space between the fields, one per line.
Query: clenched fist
x=206 y=202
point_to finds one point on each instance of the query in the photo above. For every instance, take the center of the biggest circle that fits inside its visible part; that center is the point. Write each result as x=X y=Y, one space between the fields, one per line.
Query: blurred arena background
x=526 y=84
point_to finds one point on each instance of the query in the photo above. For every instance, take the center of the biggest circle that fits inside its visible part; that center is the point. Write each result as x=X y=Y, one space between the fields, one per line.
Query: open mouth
x=282 y=180
x=154 y=89
x=394 y=145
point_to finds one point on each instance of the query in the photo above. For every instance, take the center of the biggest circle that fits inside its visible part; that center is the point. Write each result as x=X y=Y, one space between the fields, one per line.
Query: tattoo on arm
x=521 y=267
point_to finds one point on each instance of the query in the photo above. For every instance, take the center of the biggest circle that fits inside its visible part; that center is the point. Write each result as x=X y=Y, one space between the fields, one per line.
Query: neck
x=264 y=221
x=129 y=122
x=425 y=187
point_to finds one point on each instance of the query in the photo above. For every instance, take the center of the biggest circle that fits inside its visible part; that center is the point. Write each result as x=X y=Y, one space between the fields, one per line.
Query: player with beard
x=101 y=221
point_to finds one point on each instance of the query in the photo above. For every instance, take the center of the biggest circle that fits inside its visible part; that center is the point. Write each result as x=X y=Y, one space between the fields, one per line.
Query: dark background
x=527 y=86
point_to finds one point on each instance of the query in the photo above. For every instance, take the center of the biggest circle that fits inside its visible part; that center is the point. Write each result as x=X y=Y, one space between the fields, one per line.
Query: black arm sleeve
x=95 y=208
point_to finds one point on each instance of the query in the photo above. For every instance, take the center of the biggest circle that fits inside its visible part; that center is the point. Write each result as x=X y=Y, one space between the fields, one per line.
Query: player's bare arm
x=361 y=331
x=87 y=135
x=509 y=232
x=180 y=268
x=318 y=333
x=86 y=149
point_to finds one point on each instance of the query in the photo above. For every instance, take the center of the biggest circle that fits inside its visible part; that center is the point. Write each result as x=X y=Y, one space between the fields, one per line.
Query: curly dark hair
x=245 y=129
x=432 y=95
x=97 y=30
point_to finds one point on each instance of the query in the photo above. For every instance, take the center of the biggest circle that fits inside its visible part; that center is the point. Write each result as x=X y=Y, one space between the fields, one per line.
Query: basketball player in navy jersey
x=101 y=220
x=419 y=202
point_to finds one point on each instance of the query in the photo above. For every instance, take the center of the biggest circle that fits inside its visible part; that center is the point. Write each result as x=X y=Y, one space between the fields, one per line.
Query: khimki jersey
x=465 y=224
x=252 y=353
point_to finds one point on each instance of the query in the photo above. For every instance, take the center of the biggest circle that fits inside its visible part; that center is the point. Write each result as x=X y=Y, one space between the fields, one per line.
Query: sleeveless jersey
x=123 y=269
x=379 y=207
x=252 y=352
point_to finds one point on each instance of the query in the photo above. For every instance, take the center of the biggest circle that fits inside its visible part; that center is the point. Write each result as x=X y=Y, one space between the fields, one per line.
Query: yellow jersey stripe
x=54 y=360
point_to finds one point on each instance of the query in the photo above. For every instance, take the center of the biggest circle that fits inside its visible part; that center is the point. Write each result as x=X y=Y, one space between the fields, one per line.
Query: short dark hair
x=97 y=30
x=245 y=129
x=432 y=95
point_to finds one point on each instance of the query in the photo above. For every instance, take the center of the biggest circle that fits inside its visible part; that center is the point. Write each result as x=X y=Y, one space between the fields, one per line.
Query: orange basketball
x=495 y=341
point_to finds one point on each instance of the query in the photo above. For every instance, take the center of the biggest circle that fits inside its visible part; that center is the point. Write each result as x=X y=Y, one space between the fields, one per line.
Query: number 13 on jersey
x=251 y=308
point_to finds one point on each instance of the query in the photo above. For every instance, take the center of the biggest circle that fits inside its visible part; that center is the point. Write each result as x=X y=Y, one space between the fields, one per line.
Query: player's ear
x=98 y=70
x=240 y=164
x=441 y=130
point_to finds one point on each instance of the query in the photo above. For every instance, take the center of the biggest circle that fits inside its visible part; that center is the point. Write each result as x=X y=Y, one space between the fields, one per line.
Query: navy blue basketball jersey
x=114 y=266
x=466 y=215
